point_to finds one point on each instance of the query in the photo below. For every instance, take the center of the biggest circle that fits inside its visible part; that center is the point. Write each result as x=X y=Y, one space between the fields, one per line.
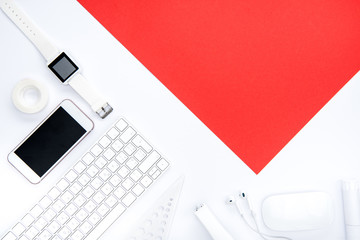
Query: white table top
x=323 y=152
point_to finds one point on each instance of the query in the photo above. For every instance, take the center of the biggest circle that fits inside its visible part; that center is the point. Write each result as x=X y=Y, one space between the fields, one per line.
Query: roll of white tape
x=30 y=96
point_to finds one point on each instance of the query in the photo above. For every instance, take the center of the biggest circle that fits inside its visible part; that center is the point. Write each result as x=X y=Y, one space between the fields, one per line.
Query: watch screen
x=50 y=141
x=63 y=67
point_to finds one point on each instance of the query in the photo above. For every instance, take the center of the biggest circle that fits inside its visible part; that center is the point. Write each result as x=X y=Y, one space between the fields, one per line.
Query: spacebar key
x=106 y=222
x=149 y=161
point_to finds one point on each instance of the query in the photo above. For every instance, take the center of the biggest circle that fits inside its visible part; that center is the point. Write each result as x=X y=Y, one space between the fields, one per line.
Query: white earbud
x=244 y=196
x=230 y=199
x=246 y=202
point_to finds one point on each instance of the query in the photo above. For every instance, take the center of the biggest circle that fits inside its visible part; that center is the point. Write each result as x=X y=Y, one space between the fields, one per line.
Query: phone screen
x=50 y=141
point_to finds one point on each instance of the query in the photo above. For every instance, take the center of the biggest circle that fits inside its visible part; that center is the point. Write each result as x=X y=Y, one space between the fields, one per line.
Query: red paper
x=254 y=71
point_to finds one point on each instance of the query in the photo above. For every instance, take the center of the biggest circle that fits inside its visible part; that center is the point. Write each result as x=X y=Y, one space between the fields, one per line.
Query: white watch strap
x=50 y=53
x=89 y=94
x=29 y=29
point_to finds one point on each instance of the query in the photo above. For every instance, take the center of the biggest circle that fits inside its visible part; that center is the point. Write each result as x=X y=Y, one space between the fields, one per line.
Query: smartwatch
x=58 y=62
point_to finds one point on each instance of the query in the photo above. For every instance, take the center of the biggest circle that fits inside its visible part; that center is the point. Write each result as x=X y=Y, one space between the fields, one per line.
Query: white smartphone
x=50 y=141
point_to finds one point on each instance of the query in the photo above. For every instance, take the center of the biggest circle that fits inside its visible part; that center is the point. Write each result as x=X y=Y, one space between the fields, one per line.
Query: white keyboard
x=96 y=191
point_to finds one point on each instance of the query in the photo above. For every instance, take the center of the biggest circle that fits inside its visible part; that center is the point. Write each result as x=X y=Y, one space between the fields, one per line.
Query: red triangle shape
x=255 y=72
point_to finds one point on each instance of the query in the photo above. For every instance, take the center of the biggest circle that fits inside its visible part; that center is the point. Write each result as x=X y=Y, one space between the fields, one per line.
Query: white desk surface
x=323 y=152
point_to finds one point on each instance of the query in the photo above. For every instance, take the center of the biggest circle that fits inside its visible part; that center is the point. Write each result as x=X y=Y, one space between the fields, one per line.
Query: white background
x=323 y=152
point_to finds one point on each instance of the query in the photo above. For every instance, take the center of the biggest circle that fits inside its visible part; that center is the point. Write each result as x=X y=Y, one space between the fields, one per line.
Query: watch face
x=63 y=67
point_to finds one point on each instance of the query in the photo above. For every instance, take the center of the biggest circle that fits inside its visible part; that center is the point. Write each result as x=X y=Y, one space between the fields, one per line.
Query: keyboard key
x=127 y=134
x=140 y=142
x=140 y=155
x=27 y=220
x=121 y=157
x=96 y=183
x=71 y=176
x=96 y=150
x=117 y=145
x=64 y=232
x=152 y=171
x=88 y=158
x=79 y=167
x=18 y=229
x=156 y=174
x=75 y=188
x=88 y=192
x=127 y=184
x=123 y=172
x=135 y=175
x=73 y=224
x=98 y=197
x=40 y=224
x=45 y=202
x=146 y=181
x=111 y=201
x=62 y=184
x=149 y=161
x=49 y=215
x=115 y=180
x=66 y=197
x=163 y=164
x=101 y=162
x=45 y=235
x=94 y=218
x=36 y=211
x=104 y=175
x=128 y=199
x=84 y=179
x=109 y=154
x=131 y=163
x=113 y=166
x=82 y=215
x=62 y=218
x=85 y=227
x=9 y=236
x=107 y=189
x=138 y=190
x=31 y=233
x=103 y=210
x=90 y=206
x=23 y=238
x=53 y=227
x=54 y=193
x=71 y=209
x=105 y=142
x=79 y=200
x=119 y=193
x=130 y=149
x=121 y=124
x=77 y=235
x=92 y=171
x=58 y=205
x=113 y=133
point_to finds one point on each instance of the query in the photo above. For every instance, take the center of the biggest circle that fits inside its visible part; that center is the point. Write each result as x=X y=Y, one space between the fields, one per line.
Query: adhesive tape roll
x=37 y=99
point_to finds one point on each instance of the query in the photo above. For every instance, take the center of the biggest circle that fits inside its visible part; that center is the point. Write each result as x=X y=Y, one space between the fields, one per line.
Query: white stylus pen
x=351 y=201
x=212 y=225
